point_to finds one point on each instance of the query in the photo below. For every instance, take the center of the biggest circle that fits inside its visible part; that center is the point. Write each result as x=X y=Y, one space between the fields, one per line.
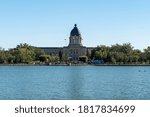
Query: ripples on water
x=74 y=82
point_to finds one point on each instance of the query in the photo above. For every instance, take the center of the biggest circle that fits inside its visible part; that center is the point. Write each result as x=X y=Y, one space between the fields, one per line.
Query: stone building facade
x=74 y=50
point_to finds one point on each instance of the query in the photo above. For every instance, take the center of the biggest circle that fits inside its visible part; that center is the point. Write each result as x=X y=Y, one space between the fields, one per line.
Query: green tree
x=101 y=53
x=44 y=58
x=38 y=52
x=2 y=56
x=60 y=56
x=147 y=54
x=23 y=53
x=83 y=58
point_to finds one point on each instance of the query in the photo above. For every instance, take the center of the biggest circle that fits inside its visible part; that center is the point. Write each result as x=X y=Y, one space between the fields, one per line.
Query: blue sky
x=46 y=23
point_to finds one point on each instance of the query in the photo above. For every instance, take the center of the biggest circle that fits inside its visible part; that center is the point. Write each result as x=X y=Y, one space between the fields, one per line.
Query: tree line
x=115 y=54
x=121 y=54
x=26 y=54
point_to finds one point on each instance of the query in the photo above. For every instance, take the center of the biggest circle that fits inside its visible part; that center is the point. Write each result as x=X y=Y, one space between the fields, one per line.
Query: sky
x=47 y=23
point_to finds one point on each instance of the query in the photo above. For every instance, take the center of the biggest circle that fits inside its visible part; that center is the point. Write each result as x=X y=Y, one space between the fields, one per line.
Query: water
x=74 y=82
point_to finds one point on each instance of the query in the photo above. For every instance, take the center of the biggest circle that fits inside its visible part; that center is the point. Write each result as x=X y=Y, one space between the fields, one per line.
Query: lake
x=74 y=82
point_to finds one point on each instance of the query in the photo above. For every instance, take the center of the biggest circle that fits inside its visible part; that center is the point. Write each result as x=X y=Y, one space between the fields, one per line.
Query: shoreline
x=75 y=65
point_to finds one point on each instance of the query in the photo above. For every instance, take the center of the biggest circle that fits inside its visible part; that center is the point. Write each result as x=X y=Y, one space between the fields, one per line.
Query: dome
x=75 y=31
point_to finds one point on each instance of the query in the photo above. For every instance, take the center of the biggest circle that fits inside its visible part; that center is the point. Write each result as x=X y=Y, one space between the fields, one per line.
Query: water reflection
x=74 y=82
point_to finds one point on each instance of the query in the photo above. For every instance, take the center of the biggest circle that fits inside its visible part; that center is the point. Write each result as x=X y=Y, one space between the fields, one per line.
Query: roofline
x=50 y=47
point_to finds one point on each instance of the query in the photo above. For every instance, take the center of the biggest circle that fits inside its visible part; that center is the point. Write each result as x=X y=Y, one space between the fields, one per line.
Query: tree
x=2 y=56
x=147 y=54
x=23 y=45
x=23 y=53
x=120 y=54
x=101 y=53
x=38 y=52
x=48 y=58
x=60 y=55
x=83 y=58
x=44 y=58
